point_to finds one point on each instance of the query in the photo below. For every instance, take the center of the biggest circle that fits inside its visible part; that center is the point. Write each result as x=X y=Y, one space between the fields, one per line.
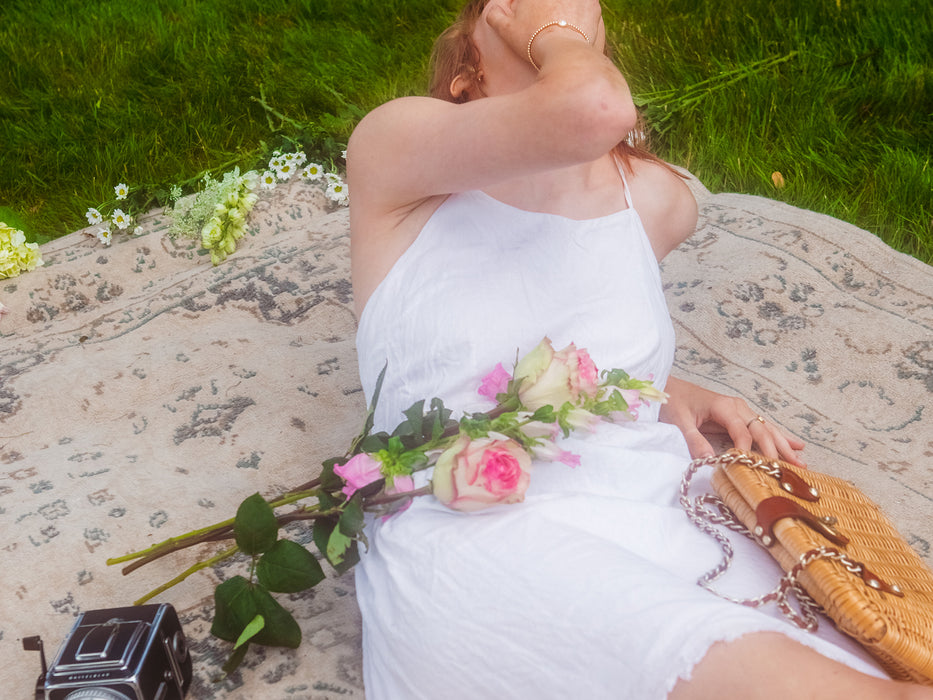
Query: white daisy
x=120 y=219
x=94 y=217
x=338 y=192
x=104 y=236
x=312 y=171
x=332 y=177
x=138 y=231
x=285 y=170
x=121 y=191
x=267 y=181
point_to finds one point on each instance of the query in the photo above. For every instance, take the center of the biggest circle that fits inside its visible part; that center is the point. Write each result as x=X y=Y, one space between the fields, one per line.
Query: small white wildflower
x=338 y=192
x=267 y=180
x=138 y=231
x=104 y=236
x=300 y=158
x=289 y=158
x=312 y=171
x=94 y=217
x=121 y=191
x=285 y=170
x=120 y=219
x=332 y=177
x=276 y=162
x=343 y=154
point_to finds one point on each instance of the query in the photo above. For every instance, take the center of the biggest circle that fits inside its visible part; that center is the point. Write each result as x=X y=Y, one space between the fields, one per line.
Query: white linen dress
x=588 y=588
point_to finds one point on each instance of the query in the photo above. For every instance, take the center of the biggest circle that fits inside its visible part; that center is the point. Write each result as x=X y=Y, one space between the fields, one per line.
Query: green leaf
x=374 y=443
x=320 y=533
x=327 y=501
x=411 y=426
x=614 y=377
x=351 y=519
x=440 y=419
x=545 y=414
x=337 y=545
x=371 y=414
x=329 y=480
x=237 y=603
x=233 y=608
x=255 y=527
x=281 y=630
x=250 y=631
x=288 y=568
x=348 y=555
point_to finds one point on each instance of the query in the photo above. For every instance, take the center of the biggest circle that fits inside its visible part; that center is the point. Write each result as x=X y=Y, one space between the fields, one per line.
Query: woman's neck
x=583 y=191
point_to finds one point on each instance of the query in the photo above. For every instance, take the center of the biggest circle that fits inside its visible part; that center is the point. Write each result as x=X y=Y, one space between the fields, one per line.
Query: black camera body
x=133 y=653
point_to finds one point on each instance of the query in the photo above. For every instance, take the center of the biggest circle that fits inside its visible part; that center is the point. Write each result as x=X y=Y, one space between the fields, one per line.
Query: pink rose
x=475 y=474
x=554 y=378
x=494 y=383
x=360 y=471
x=584 y=377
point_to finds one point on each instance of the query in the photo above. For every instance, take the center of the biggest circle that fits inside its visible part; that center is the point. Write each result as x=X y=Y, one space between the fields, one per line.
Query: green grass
x=838 y=97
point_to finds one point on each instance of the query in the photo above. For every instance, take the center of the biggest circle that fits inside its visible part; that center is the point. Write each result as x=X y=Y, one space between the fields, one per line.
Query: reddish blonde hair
x=455 y=54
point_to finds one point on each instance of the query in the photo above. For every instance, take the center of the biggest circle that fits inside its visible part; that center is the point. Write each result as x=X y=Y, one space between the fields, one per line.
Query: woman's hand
x=694 y=410
x=515 y=22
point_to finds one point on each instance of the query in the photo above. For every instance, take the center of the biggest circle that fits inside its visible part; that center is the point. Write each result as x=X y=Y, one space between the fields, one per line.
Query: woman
x=500 y=210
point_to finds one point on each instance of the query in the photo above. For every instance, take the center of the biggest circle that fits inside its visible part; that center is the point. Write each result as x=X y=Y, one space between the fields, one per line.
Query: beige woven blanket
x=144 y=393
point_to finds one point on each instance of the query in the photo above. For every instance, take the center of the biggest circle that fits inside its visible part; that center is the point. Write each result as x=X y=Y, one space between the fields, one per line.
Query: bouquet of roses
x=481 y=460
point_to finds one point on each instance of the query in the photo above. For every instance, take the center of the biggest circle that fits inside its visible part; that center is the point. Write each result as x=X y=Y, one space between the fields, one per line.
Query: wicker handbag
x=841 y=554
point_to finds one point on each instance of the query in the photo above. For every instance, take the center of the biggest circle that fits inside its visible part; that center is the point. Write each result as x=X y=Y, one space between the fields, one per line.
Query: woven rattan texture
x=897 y=631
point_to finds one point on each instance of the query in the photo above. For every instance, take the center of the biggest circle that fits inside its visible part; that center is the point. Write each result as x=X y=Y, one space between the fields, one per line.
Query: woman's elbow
x=605 y=113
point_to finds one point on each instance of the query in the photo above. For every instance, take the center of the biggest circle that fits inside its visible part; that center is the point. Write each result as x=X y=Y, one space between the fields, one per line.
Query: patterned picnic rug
x=144 y=393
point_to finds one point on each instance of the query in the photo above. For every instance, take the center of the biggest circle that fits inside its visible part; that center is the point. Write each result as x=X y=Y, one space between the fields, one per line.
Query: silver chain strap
x=700 y=514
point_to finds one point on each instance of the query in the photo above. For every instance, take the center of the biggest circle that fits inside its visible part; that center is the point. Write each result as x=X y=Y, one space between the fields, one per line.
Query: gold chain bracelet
x=557 y=23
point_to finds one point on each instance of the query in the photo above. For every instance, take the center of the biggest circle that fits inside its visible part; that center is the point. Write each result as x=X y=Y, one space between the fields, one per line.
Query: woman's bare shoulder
x=665 y=204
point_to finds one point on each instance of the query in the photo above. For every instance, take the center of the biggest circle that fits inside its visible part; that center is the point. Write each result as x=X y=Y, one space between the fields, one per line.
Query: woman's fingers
x=516 y=21
x=697 y=443
x=773 y=443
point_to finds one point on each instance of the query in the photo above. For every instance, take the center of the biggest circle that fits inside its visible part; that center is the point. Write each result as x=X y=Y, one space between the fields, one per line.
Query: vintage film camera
x=135 y=653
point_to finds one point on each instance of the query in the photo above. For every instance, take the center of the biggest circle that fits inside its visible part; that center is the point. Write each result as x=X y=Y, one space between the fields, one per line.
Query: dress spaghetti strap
x=628 y=194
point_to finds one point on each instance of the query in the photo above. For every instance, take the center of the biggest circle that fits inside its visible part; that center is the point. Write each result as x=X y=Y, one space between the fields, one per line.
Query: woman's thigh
x=769 y=665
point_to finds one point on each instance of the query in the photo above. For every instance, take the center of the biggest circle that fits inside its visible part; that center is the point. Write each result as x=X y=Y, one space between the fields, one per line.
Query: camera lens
x=96 y=694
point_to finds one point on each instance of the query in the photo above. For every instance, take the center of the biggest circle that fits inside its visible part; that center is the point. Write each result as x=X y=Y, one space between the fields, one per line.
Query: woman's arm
x=665 y=205
x=574 y=110
x=694 y=410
